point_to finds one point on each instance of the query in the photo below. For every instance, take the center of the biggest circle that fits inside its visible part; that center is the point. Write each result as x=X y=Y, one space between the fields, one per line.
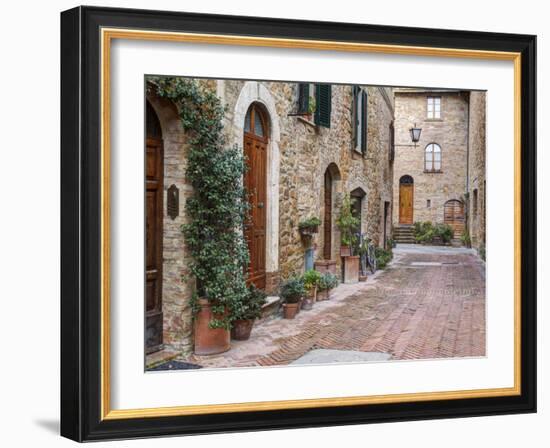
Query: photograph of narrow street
x=304 y=223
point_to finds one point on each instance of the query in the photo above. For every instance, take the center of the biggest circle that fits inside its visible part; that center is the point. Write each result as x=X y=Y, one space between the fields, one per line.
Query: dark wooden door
x=453 y=215
x=154 y=167
x=406 y=203
x=327 y=218
x=255 y=181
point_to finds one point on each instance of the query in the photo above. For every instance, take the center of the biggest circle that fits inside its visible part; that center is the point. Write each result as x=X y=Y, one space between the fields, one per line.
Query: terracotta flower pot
x=351 y=269
x=290 y=310
x=241 y=329
x=363 y=278
x=322 y=295
x=209 y=341
x=345 y=251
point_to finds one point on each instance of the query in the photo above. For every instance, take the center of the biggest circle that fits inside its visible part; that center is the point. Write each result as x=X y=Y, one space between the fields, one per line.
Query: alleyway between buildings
x=428 y=303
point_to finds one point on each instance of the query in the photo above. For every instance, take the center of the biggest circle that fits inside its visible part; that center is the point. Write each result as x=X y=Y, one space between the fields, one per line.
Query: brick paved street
x=429 y=303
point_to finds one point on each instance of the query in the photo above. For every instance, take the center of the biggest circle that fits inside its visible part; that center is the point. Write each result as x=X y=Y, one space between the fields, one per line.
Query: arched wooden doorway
x=332 y=174
x=154 y=178
x=406 y=199
x=453 y=215
x=357 y=196
x=256 y=128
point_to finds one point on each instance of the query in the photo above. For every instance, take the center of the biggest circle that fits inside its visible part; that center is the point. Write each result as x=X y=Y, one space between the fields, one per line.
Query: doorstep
x=271 y=306
x=160 y=357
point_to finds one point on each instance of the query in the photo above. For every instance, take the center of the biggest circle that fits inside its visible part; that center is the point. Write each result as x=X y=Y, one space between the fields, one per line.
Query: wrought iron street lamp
x=415 y=134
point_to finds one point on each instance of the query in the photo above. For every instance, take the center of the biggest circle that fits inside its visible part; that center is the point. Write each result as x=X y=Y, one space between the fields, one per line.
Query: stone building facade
x=309 y=167
x=433 y=177
x=476 y=170
x=432 y=187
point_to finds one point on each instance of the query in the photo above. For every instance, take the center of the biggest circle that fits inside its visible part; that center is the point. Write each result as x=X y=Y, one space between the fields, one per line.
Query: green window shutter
x=364 y=121
x=323 y=93
x=354 y=114
x=303 y=98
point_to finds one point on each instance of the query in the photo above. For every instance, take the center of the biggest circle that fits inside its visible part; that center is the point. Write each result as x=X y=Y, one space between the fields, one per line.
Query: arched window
x=432 y=158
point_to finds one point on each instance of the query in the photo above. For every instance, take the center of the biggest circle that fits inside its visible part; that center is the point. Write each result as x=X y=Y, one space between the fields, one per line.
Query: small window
x=432 y=158
x=434 y=107
x=319 y=104
x=428 y=203
x=474 y=203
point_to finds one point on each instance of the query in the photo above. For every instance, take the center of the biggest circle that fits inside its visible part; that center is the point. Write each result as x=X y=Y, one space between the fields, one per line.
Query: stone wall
x=476 y=163
x=176 y=291
x=450 y=132
x=299 y=153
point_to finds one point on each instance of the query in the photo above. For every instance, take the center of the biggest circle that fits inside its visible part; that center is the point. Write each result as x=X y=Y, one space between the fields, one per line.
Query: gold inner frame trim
x=107 y=35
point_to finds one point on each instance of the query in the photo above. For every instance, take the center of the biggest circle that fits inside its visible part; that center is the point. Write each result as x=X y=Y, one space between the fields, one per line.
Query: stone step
x=271 y=307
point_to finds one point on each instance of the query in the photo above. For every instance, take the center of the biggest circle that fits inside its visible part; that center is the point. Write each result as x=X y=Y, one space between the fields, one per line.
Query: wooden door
x=255 y=181
x=453 y=215
x=327 y=218
x=406 y=192
x=154 y=167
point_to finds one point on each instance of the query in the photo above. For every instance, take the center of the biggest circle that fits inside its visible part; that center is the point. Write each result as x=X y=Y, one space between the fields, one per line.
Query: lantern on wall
x=415 y=134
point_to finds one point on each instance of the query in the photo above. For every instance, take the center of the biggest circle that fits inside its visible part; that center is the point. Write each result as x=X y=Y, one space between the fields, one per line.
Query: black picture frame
x=81 y=224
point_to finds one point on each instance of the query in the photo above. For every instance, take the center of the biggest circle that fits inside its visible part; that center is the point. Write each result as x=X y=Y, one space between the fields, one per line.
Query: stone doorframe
x=255 y=92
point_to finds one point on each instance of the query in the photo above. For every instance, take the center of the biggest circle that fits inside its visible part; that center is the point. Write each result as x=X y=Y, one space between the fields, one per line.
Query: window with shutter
x=392 y=142
x=364 y=121
x=323 y=96
x=303 y=98
x=355 y=117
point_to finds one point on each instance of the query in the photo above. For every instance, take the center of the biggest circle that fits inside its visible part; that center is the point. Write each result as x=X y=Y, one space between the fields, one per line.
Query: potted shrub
x=465 y=238
x=322 y=288
x=246 y=312
x=309 y=226
x=215 y=212
x=347 y=224
x=331 y=281
x=292 y=292
x=310 y=279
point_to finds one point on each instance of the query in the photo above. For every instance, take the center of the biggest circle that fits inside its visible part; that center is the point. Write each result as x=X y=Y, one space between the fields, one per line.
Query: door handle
x=260 y=205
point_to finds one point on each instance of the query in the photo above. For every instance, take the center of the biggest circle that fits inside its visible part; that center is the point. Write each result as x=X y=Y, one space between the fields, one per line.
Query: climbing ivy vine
x=218 y=207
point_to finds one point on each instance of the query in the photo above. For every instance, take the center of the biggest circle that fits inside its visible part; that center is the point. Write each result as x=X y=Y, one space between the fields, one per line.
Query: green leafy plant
x=312 y=105
x=328 y=281
x=218 y=206
x=390 y=242
x=251 y=305
x=347 y=223
x=482 y=252
x=466 y=239
x=426 y=232
x=310 y=223
x=311 y=278
x=292 y=290
x=383 y=257
x=445 y=232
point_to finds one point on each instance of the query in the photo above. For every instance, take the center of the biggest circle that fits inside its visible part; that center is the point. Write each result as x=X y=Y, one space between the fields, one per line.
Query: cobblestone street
x=428 y=303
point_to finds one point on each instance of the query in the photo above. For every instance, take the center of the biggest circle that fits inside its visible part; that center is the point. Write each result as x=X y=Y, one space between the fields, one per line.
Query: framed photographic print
x=277 y=224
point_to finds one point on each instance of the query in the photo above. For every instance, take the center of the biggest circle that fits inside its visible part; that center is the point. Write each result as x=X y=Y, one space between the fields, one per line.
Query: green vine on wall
x=218 y=206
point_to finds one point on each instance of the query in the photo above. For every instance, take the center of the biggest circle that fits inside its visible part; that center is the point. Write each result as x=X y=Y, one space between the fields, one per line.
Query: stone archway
x=175 y=293
x=330 y=207
x=256 y=92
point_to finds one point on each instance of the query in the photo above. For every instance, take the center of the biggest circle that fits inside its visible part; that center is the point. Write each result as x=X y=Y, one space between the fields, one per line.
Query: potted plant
x=309 y=226
x=331 y=281
x=347 y=223
x=215 y=212
x=292 y=292
x=310 y=280
x=246 y=312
